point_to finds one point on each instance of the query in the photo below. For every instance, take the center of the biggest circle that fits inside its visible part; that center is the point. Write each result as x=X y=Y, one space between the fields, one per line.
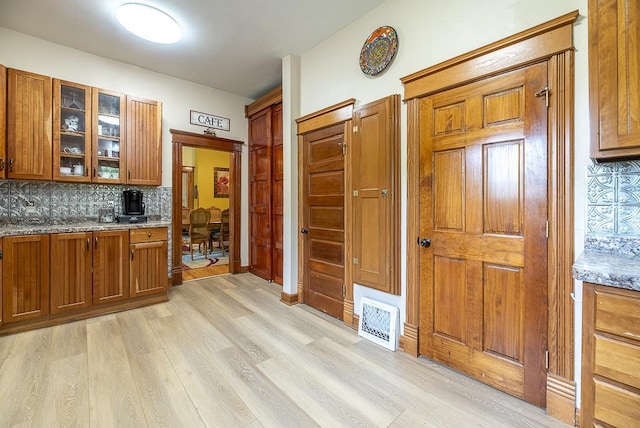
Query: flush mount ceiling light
x=149 y=23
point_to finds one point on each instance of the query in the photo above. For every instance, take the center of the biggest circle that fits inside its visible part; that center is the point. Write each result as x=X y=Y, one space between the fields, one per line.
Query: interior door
x=323 y=219
x=483 y=202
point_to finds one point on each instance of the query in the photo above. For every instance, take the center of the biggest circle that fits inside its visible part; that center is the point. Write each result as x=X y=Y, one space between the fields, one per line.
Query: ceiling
x=232 y=45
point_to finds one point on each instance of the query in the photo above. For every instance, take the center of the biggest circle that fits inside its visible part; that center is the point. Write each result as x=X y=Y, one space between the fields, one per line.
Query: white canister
x=78 y=170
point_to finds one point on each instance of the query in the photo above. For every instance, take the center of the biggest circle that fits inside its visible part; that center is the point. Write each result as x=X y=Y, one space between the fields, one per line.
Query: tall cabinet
x=614 y=28
x=266 y=176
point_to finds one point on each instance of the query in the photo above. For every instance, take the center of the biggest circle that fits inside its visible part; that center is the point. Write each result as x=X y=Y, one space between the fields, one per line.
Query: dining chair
x=224 y=230
x=214 y=225
x=199 y=229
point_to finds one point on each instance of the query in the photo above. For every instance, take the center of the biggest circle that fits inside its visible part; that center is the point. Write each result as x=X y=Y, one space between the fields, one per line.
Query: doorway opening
x=194 y=187
x=205 y=190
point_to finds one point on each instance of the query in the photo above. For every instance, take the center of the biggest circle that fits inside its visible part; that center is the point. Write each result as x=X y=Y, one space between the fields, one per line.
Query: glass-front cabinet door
x=108 y=136
x=71 y=131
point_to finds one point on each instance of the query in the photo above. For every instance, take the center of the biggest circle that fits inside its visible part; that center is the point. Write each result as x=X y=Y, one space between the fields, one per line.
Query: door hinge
x=544 y=92
x=355 y=128
x=344 y=291
x=355 y=260
x=355 y=193
x=546 y=359
x=547 y=229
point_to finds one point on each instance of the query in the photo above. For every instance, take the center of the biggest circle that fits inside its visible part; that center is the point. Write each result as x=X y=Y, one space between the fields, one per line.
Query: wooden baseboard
x=561 y=399
x=289 y=299
x=347 y=313
x=356 y=321
x=176 y=276
x=244 y=269
x=408 y=342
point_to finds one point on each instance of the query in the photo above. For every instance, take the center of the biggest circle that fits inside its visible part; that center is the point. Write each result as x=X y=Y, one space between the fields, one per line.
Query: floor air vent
x=379 y=323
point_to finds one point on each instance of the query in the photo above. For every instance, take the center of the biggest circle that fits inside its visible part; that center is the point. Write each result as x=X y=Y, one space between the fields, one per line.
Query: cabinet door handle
x=94 y=171
x=88 y=244
x=86 y=172
x=131 y=254
x=148 y=234
x=10 y=165
x=129 y=174
x=95 y=243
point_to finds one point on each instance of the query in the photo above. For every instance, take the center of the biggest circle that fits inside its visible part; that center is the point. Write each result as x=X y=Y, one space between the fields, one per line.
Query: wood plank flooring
x=225 y=352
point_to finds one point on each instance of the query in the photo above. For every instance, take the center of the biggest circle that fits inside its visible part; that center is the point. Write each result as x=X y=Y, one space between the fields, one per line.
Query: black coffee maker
x=132 y=207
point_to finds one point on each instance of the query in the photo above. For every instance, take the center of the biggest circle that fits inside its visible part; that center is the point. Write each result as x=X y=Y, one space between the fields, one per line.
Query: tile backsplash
x=62 y=202
x=613 y=199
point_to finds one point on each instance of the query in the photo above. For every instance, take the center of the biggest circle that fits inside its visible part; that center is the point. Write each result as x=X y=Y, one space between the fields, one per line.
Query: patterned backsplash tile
x=43 y=202
x=613 y=199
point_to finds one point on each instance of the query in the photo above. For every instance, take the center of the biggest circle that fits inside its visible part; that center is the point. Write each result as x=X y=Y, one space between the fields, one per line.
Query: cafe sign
x=210 y=121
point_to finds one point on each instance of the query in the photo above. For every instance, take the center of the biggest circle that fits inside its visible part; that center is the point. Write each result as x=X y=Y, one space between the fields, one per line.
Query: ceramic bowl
x=65 y=170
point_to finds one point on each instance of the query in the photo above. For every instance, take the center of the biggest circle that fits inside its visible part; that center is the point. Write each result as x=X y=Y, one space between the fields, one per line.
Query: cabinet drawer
x=148 y=235
x=616 y=406
x=618 y=315
x=617 y=360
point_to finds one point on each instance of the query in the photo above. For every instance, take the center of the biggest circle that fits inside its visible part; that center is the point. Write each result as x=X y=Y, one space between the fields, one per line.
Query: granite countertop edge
x=89 y=226
x=614 y=270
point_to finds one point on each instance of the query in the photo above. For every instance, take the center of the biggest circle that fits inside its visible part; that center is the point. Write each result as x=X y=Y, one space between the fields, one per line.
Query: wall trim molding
x=289 y=299
x=561 y=399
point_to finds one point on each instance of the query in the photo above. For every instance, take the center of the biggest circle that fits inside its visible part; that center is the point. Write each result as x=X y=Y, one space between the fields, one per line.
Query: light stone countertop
x=615 y=270
x=88 y=226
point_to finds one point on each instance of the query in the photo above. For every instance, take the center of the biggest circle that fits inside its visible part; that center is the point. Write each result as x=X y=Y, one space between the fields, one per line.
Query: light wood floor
x=224 y=351
x=205 y=272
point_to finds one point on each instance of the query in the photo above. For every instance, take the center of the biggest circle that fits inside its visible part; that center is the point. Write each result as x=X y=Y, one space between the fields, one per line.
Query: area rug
x=200 y=261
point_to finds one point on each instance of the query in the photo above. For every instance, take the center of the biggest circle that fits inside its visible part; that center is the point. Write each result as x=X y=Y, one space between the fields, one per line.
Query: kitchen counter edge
x=613 y=270
x=41 y=229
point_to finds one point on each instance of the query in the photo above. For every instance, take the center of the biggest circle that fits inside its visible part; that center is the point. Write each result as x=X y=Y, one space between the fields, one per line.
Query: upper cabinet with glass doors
x=71 y=131
x=108 y=136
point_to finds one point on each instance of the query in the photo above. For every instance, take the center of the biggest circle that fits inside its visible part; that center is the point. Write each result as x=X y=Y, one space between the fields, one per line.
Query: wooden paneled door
x=324 y=219
x=277 y=197
x=483 y=203
x=260 y=165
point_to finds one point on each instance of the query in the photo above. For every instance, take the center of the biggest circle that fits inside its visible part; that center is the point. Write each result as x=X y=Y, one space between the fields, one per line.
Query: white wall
x=178 y=97
x=430 y=32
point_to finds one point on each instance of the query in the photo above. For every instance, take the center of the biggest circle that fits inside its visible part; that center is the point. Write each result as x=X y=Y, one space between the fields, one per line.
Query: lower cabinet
x=25 y=277
x=71 y=256
x=110 y=266
x=148 y=270
x=88 y=268
x=611 y=357
x=48 y=279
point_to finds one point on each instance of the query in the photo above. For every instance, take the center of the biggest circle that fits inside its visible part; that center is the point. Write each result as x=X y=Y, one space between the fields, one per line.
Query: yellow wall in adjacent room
x=205 y=161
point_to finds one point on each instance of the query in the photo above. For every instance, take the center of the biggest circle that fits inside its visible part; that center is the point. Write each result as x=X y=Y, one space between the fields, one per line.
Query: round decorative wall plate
x=378 y=50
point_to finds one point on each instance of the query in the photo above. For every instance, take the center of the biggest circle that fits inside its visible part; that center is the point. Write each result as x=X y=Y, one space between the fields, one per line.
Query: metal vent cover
x=379 y=323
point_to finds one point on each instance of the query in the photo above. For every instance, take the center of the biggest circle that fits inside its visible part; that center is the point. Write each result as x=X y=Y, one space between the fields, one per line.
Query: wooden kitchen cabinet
x=110 y=266
x=25 y=277
x=1 y=289
x=148 y=261
x=29 y=129
x=611 y=353
x=3 y=121
x=266 y=192
x=614 y=66
x=144 y=142
x=109 y=136
x=71 y=260
x=71 y=132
